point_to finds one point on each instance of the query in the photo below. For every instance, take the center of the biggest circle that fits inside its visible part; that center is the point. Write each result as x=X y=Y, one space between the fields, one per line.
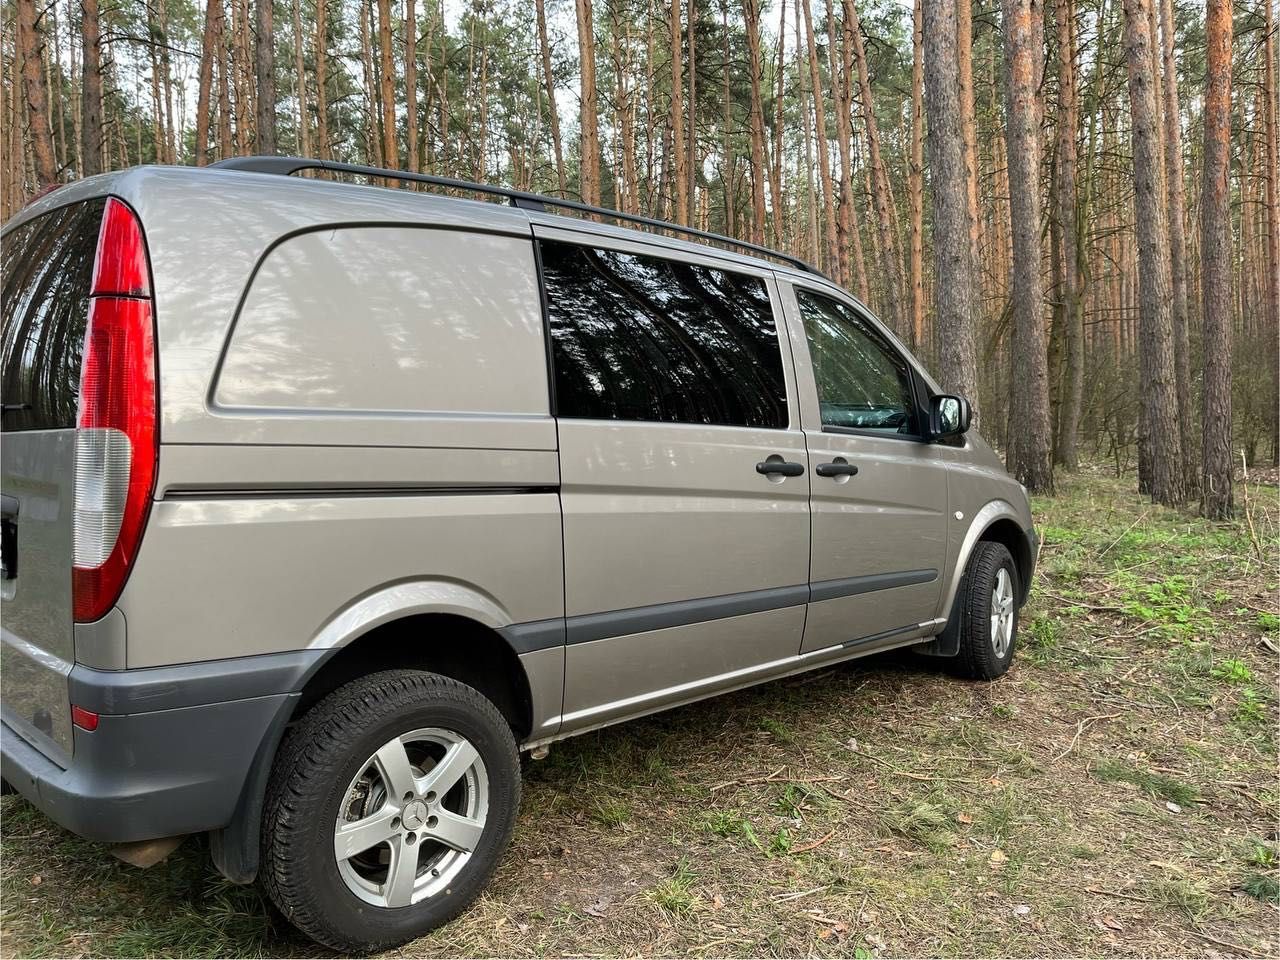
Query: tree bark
x=589 y=121
x=1030 y=436
x=1068 y=217
x=915 y=177
x=1216 y=256
x=824 y=159
x=1272 y=195
x=91 y=92
x=264 y=69
x=691 y=128
x=955 y=271
x=751 y=14
x=322 y=97
x=1175 y=192
x=677 y=115
x=387 y=85
x=548 y=80
x=775 y=169
x=968 y=115
x=890 y=253
x=30 y=45
x=300 y=80
x=1160 y=434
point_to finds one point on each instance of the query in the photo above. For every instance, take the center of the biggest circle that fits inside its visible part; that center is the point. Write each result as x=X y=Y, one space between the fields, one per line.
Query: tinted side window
x=863 y=383
x=47 y=272
x=642 y=338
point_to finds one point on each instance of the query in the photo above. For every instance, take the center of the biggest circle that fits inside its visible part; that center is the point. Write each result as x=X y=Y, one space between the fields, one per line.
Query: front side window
x=642 y=338
x=863 y=383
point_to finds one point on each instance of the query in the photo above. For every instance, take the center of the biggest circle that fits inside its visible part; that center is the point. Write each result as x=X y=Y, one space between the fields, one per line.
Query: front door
x=684 y=476
x=879 y=491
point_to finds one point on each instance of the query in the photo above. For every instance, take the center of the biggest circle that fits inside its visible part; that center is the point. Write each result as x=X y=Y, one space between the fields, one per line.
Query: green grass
x=675 y=895
x=1153 y=784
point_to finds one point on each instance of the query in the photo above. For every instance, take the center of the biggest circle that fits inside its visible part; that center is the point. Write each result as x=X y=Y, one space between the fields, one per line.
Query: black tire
x=977 y=658
x=317 y=761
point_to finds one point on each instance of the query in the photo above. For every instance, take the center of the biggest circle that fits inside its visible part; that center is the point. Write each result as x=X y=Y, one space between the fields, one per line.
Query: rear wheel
x=388 y=809
x=987 y=604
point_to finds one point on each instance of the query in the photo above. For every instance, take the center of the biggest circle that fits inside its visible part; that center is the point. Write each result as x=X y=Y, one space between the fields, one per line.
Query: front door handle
x=836 y=469
x=776 y=466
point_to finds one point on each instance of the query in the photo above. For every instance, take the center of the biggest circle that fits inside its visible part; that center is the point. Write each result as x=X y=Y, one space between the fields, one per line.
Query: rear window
x=643 y=338
x=47 y=270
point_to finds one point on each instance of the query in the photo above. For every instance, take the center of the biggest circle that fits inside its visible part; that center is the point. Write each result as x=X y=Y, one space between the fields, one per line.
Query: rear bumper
x=173 y=748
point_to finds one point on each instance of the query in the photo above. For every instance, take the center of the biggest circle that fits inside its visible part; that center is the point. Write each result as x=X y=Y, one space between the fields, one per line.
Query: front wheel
x=388 y=808
x=987 y=604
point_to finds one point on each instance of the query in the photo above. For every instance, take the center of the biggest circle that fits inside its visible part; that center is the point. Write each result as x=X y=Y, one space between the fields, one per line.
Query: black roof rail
x=286 y=166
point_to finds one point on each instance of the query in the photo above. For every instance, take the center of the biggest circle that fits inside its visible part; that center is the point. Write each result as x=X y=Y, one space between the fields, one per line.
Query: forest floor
x=1115 y=794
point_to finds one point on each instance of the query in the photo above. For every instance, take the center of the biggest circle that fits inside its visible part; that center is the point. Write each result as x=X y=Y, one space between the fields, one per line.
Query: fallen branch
x=813 y=846
x=1230 y=946
x=1080 y=732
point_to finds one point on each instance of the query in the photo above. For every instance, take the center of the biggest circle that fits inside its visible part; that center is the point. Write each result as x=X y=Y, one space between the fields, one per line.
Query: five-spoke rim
x=1002 y=613
x=411 y=817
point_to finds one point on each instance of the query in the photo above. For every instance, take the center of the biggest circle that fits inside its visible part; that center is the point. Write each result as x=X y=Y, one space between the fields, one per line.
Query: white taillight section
x=102 y=488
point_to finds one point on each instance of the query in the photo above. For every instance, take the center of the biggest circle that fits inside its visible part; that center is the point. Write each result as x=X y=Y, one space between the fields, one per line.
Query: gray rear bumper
x=173 y=748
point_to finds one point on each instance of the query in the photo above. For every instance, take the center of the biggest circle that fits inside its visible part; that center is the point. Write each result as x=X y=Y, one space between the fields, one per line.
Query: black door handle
x=836 y=469
x=780 y=467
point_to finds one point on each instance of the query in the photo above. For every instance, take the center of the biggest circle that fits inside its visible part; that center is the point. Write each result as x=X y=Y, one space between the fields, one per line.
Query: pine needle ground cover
x=1116 y=794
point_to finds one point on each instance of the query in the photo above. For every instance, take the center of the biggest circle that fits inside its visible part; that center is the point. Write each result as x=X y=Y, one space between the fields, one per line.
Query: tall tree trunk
x=891 y=257
x=1030 y=435
x=820 y=136
x=775 y=169
x=30 y=45
x=1178 y=248
x=549 y=82
x=1215 y=252
x=691 y=130
x=838 y=57
x=264 y=68
x=1272 y=194
x=677 y=115
x=372 y=136
x=226 y=146
x=387 y=84
x=915 y=177
x=1069 y=221
x=300 y=79
x=751 y=14
x=172 y=139
x=91 y=90
x=955 y=271
x=1160 y=433
x=968 y=115
x=589 y=121
x=322 y=95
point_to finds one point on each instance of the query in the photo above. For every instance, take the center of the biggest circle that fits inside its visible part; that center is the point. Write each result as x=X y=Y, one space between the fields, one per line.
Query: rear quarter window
x=390 y=319
x=47 y=270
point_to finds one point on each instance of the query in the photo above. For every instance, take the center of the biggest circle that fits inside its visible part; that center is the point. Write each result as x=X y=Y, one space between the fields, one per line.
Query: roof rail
x=286 y=166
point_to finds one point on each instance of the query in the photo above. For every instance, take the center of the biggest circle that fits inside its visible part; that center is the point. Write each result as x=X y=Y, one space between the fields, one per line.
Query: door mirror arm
x=949 y=416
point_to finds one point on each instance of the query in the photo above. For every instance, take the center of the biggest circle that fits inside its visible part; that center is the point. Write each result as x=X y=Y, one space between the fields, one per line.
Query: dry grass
x=1115 y=794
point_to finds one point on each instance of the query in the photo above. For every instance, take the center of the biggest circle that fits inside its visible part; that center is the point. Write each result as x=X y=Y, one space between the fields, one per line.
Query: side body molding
x=984 y=518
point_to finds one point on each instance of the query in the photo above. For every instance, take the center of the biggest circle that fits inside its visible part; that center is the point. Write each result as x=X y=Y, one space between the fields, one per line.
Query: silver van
x=324 y=502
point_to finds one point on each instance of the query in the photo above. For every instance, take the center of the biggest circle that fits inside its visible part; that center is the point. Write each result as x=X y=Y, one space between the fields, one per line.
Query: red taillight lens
x=116 y=439
x=84 y=719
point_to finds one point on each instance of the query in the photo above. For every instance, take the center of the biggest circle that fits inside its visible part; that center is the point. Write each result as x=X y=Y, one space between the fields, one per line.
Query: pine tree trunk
x=955 y=272
x=1175 y=192
x=589 y=122
x=968 y=116
x=322 y=95
x=1030 y=435
x=264 y=68
x=751 y=15
x=300 y=80
x=842 y=103
x=372 y=136
x=549 y=82
x=1160 y=434
x=831 y=254
x=915 y=178
x=166 y=76
x=677 y=115
x=226 y=146
x=691 y=128
x=1216 y=256
x=1066 y=450
x=91 y=90
x=30 y=45
x=1272 y=194
x=890 y=253
x=387 y=85
x=775 y=168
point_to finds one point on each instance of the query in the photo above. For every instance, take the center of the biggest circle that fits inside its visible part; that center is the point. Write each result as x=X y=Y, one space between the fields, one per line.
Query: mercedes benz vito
x=323 y=502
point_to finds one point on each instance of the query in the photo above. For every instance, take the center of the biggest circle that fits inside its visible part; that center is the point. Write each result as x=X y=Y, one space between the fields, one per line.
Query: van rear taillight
x=116 y=435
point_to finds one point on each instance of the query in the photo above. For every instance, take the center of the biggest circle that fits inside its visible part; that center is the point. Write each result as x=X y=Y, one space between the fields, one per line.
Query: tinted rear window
x=47 y=268
x=643 y=338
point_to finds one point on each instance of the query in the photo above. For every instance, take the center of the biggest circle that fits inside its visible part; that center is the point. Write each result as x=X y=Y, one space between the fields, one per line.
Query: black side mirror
x=949 y=416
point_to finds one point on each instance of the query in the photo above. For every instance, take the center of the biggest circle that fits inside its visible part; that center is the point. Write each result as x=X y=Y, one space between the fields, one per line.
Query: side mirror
x=949 y=416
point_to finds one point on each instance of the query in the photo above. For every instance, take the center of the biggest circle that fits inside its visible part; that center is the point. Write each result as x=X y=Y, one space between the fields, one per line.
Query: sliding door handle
x=837 y=468
x=776 y=466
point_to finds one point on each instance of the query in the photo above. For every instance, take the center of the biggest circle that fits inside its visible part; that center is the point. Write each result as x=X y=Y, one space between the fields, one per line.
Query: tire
x=331 y=765
x=984 y=653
